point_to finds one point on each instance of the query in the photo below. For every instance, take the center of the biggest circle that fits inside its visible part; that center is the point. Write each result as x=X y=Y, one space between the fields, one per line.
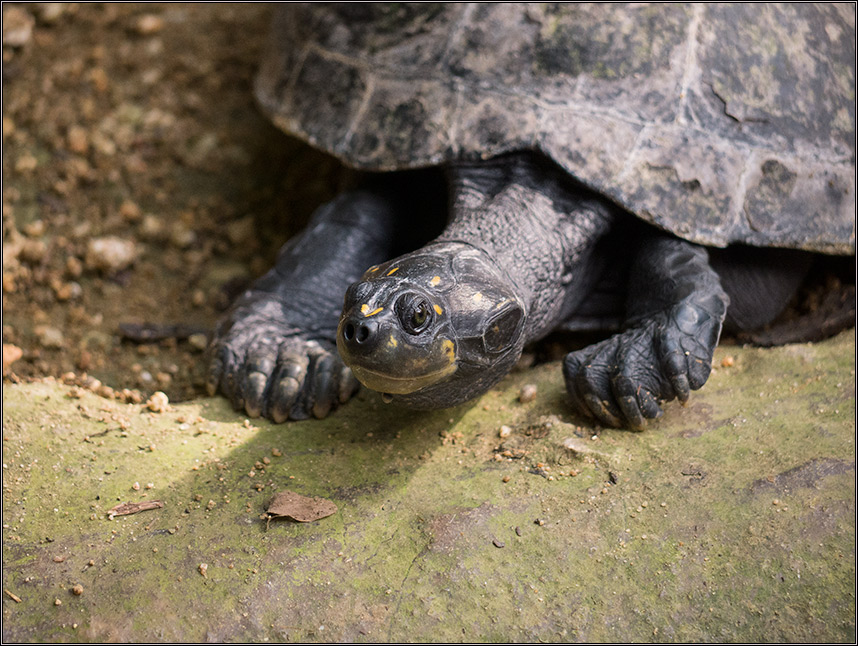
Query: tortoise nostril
x=362 y=334
x=359 y=333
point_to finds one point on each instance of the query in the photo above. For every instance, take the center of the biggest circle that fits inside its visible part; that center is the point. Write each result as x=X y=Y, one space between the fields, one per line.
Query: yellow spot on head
x=435 y=280
x=477 y=297
x=438 y=309
x=449 y=348
x=373 y=313
x=393 y=271
x=392 y=342
x=364 y=309
x=372 y=269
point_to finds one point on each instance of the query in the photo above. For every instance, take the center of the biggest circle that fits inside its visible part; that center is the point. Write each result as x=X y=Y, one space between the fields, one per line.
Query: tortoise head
x=433 y=328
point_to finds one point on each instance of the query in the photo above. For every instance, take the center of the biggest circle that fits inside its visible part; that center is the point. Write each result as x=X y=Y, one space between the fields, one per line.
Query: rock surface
x=731 y=519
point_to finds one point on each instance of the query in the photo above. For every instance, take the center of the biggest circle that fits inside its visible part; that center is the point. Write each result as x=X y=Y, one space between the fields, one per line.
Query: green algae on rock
x=730 y=520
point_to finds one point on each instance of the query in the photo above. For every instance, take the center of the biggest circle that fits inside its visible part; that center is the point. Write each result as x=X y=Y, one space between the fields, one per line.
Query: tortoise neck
x=524 y=213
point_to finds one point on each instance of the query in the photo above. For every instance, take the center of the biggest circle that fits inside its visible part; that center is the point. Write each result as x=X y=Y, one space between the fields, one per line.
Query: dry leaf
x=126 y=508
x=304 y=509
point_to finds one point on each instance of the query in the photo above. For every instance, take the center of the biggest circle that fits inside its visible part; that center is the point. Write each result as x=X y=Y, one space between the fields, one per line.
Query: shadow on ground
x=732 y=519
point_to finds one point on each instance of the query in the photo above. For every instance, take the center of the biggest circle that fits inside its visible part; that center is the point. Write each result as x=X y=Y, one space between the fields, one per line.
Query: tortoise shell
x=719 y=123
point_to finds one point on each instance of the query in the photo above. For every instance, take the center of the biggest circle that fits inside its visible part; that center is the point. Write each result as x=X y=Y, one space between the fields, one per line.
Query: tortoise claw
x=275 y=373
x=622 y=380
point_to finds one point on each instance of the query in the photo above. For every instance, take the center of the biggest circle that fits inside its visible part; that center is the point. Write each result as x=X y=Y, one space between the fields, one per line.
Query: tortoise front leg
x=274 y=352
x=675 y=309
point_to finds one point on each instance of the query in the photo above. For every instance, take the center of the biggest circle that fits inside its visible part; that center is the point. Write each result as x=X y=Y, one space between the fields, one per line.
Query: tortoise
x=664 y=171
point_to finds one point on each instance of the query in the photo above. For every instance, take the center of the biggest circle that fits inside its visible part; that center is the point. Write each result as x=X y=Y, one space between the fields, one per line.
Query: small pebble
x=69 y=291
x=504 y=431
x=130 y=211
x=204 y=568
x=727 y=362
x=110 y=254
x=198 y=342
x=26 y=163
x=497 y=543
x=11 y=353
x=17 y=26
x=151 y=227
x=77 y=590
x=74 y=267
x=99 y=79
x=158 y=402
x=32 y=251
x=50 y=12
x=149 y=24
x=49 y=337
x=34 y=229
x=527 y=394
x=78 y=140
x=181 y=236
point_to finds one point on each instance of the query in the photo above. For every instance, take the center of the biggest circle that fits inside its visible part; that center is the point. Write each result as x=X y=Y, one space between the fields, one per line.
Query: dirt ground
x=137 y=177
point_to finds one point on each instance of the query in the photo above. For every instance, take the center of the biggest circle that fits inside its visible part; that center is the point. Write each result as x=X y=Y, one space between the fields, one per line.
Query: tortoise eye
x=415 y=313
x=418 y=318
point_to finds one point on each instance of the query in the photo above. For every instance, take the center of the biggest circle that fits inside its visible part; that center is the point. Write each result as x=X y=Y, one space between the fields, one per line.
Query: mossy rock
x=731 y=519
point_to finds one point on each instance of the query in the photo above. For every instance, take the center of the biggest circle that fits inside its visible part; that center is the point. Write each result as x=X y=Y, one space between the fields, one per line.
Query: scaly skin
x=675 y=309
x=274 y=352
x=542 y=233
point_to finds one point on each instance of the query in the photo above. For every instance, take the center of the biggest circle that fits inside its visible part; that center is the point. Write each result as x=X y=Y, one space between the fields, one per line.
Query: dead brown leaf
x=304 y=509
